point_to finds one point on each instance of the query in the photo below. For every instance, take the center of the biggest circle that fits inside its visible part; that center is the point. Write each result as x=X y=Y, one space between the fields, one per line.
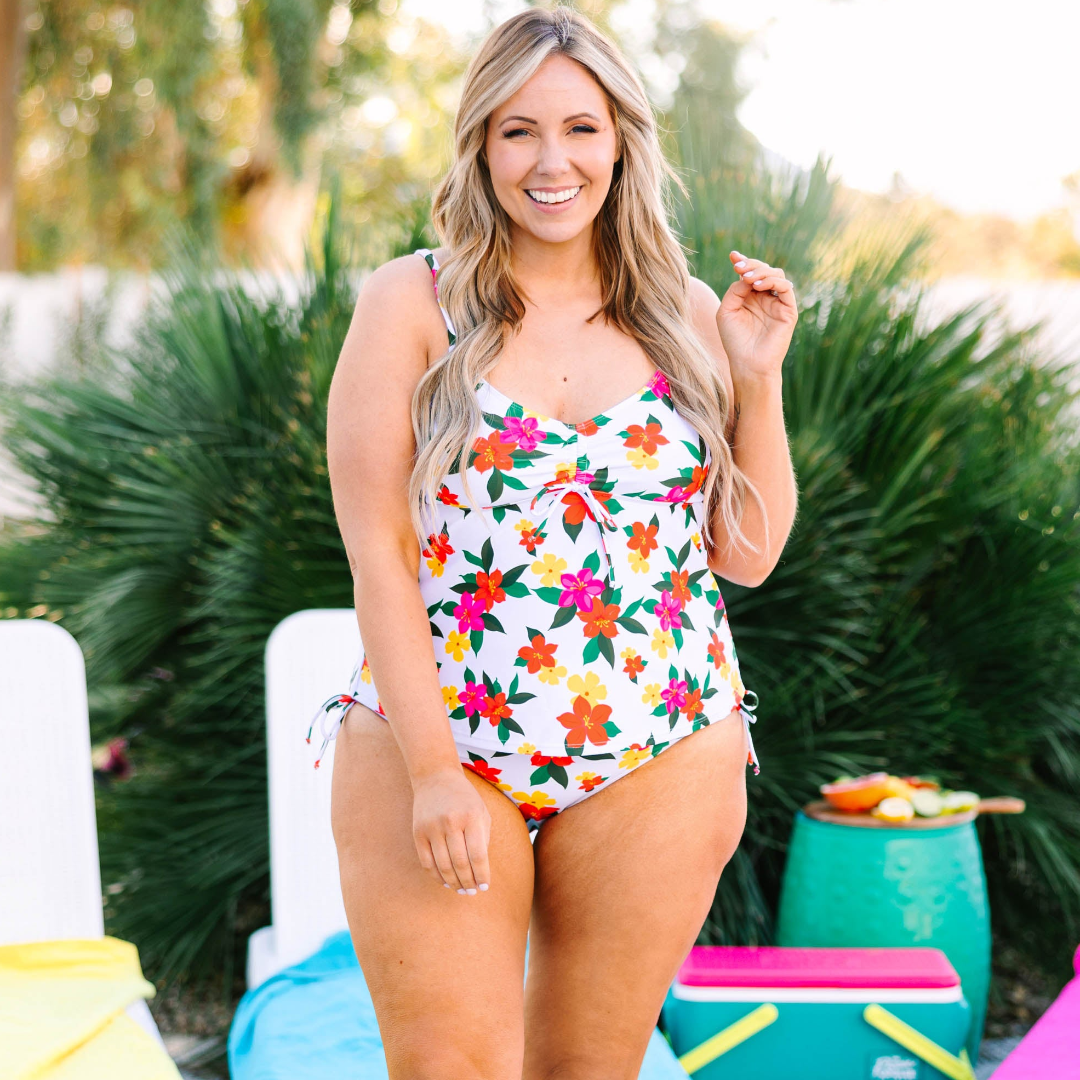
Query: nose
x=552 y=160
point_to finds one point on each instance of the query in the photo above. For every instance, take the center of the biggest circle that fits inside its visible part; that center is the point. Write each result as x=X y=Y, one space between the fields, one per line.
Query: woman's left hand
x=757 y=318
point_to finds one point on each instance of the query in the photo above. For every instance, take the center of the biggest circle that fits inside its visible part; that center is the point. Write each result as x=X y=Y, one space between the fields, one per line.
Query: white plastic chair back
x=309 y=656
x=50 y=879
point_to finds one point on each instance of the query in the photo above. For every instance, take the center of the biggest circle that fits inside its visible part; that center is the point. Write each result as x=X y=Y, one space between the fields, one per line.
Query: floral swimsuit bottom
x=577 y=628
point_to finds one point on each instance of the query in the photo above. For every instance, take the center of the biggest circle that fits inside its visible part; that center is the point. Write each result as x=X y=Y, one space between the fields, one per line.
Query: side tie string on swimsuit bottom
x=594 y=508
x=342 y=702
x=748 y=719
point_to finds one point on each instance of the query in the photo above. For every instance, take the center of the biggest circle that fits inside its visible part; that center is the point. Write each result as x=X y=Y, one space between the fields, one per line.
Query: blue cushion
x=315 y=1019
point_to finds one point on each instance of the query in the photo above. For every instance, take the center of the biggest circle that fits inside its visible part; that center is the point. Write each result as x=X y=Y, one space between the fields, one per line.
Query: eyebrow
x=529 y=120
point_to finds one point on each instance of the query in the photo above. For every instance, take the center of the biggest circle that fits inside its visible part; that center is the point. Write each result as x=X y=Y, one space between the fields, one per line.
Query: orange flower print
x=447 y=497
x=716 y=651
x=589 y=780
x=538 y=805
x=643 y=538
x=634 y=665
x=531 y=537
x=586 y=722
x=539 y=759
x=680 y=588
x=577 y=509
x=493 y=453
x=697 y=479
x=482 y=768
x=438 y=547
x=538 y=654
x=496 y=709
x=692 y=704
x=645 y=437
x=489 y=588
x=600 y=619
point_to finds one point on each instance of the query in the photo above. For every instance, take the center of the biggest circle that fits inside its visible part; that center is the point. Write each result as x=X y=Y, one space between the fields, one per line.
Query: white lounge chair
x=309 y=656
x=50 y=885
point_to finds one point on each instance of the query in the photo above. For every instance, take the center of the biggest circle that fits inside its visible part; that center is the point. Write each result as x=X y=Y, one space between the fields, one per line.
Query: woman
x=584 y=673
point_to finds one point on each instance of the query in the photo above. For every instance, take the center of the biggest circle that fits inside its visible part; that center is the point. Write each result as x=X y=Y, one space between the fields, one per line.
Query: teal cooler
x=817 y=1014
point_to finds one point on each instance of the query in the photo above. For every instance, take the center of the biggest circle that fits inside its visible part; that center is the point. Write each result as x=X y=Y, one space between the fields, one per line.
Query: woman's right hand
x=451 y=829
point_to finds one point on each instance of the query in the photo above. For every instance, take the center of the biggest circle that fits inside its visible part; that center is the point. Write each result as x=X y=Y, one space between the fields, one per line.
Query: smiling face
x=551 y=149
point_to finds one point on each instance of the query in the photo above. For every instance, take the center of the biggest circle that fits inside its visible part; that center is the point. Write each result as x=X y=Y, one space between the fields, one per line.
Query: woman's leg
x=624 y=882
x=445 y=971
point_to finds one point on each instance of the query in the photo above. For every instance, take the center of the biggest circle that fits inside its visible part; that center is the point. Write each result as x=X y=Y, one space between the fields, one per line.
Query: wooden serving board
x=823 y=811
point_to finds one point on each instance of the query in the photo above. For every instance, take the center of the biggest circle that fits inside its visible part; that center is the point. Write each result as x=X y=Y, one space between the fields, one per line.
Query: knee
x=576 y=1067
x=441 y=1059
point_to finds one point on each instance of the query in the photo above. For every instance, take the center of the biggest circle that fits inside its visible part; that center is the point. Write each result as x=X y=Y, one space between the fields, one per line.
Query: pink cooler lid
x=769 y=965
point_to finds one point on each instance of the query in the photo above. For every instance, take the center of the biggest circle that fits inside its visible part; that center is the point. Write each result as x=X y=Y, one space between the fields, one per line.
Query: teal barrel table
x=921 y=883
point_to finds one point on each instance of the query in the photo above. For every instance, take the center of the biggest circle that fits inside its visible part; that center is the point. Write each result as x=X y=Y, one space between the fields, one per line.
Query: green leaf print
x=607 y=650
x=563 y=616
x=491 y=623
x=592 y=562
x=517 y=699
x=474 y=559
x=558 y=774
x=510 y=576
x=495 y=484
x=684 y=618
x=631 y=625
x=611 y=728
x=493 y=420
x=694 y=449
x=487 y=555
x=476 y=639
x=548 y=594
x=592 y=650
x=633 y=607
x=512 y=481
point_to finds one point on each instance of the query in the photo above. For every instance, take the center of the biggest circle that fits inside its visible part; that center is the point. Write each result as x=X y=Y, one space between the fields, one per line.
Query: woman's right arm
x=370 y=447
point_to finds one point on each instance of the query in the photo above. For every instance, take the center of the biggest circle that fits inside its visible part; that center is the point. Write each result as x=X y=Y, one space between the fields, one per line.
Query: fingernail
x=471 y=892
x=461 y=892
x=740 y=264
x=748 y=274
x=483 y=887
x=446 y=884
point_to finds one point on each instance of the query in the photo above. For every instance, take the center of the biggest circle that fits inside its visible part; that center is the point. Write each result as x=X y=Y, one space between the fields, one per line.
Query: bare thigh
x=624 y=882
x=445 y=971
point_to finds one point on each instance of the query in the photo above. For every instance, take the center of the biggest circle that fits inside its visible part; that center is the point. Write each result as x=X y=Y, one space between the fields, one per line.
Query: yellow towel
x=62 y=1013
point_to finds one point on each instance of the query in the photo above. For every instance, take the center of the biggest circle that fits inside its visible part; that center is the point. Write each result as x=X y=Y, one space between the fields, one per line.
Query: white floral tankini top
x=589 y=575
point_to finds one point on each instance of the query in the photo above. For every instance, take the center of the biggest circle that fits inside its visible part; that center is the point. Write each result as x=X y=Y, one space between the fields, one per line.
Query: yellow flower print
x=634 y=757
x=695 y=539
x=565 y=471
x=539 y=799
x=365 y=673
x=725 y=671
x=458 y=644
x=628 y=652
x=526 y=748
x=450 y=697
x=736 y=682
x=590 y=688
x=640 y=460
x=523 y=525
x=662 y=640
x=436 y=567
x=549 y=568
x=652 y=694
x=638 y=563
x=551 y=675
x=505 y=787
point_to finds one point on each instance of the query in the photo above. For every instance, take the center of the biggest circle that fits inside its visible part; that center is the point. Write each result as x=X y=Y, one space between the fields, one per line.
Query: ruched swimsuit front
x=577 y=631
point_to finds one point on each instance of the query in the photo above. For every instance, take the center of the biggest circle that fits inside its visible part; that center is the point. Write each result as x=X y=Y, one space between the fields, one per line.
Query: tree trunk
x=12 y=55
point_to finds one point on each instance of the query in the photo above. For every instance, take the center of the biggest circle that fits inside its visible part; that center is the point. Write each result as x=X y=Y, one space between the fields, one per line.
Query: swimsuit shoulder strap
x=433 y=265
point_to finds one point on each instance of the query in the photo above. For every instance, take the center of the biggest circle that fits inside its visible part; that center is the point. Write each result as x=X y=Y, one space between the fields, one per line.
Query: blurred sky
x=975 y=102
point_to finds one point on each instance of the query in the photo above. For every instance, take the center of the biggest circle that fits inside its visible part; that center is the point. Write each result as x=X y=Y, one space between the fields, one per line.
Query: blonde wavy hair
x=645 y=279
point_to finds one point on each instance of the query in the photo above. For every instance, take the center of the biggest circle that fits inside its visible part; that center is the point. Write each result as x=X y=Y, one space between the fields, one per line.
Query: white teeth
x=554 y=196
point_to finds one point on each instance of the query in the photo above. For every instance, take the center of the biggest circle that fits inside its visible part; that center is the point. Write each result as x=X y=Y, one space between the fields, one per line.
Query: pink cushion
x=768 y=965
x=1051 y=1048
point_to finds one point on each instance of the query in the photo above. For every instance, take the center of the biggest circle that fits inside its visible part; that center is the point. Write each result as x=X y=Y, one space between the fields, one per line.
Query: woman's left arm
x=750 y=336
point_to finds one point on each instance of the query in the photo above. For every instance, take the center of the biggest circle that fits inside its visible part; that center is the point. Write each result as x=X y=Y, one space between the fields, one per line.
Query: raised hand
x=756 y=318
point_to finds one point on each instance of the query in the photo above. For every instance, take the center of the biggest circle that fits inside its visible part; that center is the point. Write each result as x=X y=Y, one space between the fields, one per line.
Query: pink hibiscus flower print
x=469 y=613
x=667 y=609
x=580 y=588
